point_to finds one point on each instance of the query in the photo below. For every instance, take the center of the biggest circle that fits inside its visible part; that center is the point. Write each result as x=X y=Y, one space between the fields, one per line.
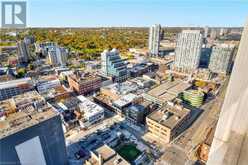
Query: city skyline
x=137 y=13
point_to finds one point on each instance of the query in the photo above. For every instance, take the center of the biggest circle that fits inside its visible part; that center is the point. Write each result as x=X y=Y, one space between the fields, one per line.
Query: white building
x=221 y=58
x=57 y=56
x=154 y=40
x=92 y=113
x=188 y=50
x=43 y=86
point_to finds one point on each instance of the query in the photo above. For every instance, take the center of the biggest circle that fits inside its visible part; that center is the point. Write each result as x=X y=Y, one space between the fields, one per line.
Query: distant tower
x=154 y=39
x=23 y=52
x=221 y=58
x=230 y=139
x=206 y=32
x=188 y=51
x=57 y=56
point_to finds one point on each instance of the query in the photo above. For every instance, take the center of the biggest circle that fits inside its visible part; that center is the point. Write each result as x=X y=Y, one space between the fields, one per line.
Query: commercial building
x=57 y=56
x=43 y=48
x=188 y=51
x=154 y=40
x=56 y=93
x=105 y=155
x=193 y=97
x=23 y=52
x=136 y=113
x=166 y=91
x=15 y=87
x=91 y=112
x=30 y=132
x=166 y=123
x=84 y=83
x=45 y=84
x=221 y=58
x=112 y=65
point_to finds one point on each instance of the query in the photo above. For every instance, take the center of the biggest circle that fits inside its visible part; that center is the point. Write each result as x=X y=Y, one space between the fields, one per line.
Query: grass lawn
x=129 y=152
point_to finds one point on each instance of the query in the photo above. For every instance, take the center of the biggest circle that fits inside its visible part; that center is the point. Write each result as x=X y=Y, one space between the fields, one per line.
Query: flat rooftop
x=83 y=77
x=23 y=111
x=109 y=156
x=169 y=116
x=169 y=89
x=13 y=83
x=21 y=120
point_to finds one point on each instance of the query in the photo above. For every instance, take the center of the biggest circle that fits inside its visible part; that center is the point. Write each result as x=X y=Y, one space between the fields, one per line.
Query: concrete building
x=135 y=114
x=43 y=48
x=84 y=83
x=15 y=87
x=30 y=132
x=206 y=32
x=165 y=124
x=154 y=40
x=57 y=56
x=230 y=142
x=188 y=51
x=45 y=85
x=23 y=52
x=221 y=58
x=92 y=113
x=112 y=65
x=105 y=155
x=166 y=91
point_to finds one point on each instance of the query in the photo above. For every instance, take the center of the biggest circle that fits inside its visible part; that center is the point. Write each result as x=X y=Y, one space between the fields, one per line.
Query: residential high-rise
x=221 y=58
x=230 y=140
x=31 y=132
x=57 y=56
x=154 y=40
x=23 y=52
x=112 y=65
x=188 y=50
x=206 y=32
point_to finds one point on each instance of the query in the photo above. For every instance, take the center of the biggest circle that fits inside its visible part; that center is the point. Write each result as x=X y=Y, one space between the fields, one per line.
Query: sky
x=139 y=13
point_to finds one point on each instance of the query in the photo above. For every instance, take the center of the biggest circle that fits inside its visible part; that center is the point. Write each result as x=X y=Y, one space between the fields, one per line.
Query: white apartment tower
x=57 y=56
x=188 y=50
x=221 y=58
x=154 y=39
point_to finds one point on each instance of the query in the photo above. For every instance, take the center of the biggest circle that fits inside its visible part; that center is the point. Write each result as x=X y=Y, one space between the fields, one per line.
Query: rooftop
x=13 y=83
x=169 y=116
x=32 y=112
x=88 y=107
x=169 y=89
x=82 y=77
x=109 y=157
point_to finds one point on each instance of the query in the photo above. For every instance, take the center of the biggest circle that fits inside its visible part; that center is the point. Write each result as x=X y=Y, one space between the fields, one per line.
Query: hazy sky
x=90 y=13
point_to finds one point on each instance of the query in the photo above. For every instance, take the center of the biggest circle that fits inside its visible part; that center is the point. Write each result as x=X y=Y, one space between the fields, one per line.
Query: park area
x=129 y=152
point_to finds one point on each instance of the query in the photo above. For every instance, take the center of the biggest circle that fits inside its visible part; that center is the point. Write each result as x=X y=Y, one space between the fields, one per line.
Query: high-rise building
x=206 y=32
x=221 y=58
x=188 y=50
x=23 y=52
x=112 y=65
x=31 y=132
x=154 y=40
x=230 y=142
x=57 y=56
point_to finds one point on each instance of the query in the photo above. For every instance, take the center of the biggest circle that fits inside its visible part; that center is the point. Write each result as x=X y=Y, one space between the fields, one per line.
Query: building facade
x=57 y=56
x=221 y=58
x=154 y=40
x=112 y=65
x=23 y=52
x=84 y=83
x=188 y=51
x=15 y=87
x=166 y=123
x=92 y=113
